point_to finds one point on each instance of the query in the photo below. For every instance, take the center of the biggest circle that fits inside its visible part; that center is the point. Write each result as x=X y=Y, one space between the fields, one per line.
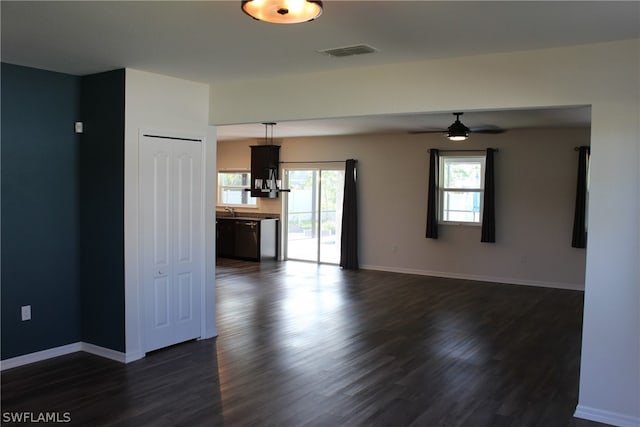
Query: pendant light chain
x=267 y=140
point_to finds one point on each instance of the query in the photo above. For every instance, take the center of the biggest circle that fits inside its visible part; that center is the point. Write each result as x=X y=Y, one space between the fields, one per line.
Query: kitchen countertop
x=245 y=218
x=246 y=215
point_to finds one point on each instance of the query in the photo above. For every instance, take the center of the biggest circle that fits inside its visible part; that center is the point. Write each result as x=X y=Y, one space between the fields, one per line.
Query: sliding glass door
x=313 y=214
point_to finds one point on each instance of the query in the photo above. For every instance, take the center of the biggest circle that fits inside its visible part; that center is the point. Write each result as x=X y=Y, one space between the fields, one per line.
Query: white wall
x=174 y=106
x=536 y=174
x=604 y=76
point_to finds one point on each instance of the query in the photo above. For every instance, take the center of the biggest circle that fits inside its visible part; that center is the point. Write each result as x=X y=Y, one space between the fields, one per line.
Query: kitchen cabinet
x=247 y=238
x=225 y=238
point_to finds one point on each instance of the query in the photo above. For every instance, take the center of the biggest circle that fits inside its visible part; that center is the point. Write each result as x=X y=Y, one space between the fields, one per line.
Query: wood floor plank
x=311 y=345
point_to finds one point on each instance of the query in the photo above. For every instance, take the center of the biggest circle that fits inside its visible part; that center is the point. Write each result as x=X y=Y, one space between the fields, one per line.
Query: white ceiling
x=213 y=41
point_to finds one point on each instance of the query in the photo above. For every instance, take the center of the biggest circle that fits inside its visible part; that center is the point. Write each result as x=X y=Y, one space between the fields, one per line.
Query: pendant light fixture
x=283 y=11
x=457 y=131
x=270 y=185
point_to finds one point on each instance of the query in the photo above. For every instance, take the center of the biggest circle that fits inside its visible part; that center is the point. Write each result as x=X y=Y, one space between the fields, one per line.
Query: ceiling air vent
x=341 y=52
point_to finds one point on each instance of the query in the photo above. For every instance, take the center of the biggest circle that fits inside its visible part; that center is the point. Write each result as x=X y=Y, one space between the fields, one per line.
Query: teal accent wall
x=62 y=240
x=39 y=240
x=101 y=183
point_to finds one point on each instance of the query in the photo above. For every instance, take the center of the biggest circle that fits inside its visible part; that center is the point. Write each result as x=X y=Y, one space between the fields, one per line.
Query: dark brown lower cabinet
x=247 y=238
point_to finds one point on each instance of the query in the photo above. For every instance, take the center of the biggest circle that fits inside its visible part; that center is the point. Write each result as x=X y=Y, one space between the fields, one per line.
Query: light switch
x=26 y=312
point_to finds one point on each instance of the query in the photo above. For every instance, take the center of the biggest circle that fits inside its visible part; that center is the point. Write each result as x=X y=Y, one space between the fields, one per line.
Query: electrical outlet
x=26 y=312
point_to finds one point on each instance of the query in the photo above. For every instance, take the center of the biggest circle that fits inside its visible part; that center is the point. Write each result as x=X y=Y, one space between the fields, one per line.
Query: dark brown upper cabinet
x=265 y=162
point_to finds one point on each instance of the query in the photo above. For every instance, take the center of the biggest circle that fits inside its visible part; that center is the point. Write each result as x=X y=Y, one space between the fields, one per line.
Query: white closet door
x=171 y=209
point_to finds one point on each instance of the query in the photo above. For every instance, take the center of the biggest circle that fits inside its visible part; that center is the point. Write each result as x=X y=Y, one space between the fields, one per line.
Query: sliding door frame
x=319 y=168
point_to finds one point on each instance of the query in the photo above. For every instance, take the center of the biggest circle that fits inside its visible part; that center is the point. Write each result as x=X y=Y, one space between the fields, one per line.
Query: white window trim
x=442 y=189
x=219 y=202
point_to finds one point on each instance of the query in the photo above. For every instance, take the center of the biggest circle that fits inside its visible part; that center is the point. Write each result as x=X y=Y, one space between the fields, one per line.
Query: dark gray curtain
x=432 y=197
x=489 y=201
x=349 y=238
x=579 y=239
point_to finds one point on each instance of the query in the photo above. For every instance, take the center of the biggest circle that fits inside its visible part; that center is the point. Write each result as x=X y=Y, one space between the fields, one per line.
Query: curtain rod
x=319 y=161
x=469 y=151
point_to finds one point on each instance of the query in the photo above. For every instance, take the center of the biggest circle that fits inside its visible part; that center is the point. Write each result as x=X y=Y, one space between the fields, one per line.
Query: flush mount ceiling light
x=457 y=131
x=283 y=11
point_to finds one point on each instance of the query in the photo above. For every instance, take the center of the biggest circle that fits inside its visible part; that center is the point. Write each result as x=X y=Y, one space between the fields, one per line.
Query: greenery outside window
x=461 y=189
x=231 y=189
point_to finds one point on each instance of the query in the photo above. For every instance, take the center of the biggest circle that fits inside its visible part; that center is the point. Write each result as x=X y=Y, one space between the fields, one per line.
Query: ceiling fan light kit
x=283 y=11
x=457 y=131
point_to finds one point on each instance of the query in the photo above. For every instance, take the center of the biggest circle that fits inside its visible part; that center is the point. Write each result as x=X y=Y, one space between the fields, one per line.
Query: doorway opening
x=313 y=214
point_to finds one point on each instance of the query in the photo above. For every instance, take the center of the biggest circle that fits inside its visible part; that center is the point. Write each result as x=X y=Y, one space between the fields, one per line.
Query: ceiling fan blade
x=488 y=129
x=414 y=132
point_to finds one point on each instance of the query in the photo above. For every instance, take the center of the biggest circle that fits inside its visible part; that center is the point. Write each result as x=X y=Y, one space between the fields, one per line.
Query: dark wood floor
x=307 y=345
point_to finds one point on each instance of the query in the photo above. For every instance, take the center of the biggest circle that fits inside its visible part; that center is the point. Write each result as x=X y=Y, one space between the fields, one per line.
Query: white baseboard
x=38 y=356
x=607 y=417
x=107 y=353
x=477 y=278
x=211 y=334
x=132 y=357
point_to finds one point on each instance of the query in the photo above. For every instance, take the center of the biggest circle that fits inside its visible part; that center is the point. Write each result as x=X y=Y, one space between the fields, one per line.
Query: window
x=231 y=189
x=461 y=188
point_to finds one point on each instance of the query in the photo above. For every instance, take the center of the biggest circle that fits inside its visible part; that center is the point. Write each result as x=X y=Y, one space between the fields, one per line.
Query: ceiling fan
x=459 y=132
